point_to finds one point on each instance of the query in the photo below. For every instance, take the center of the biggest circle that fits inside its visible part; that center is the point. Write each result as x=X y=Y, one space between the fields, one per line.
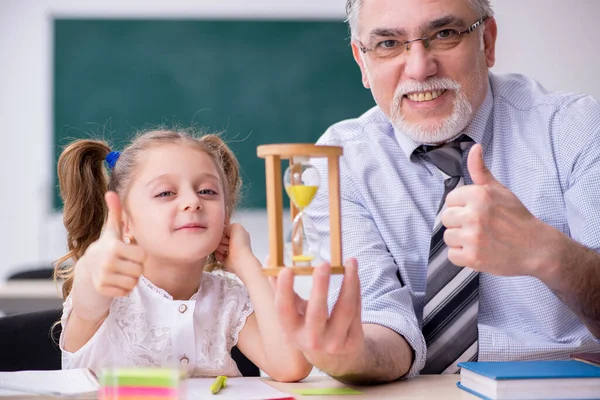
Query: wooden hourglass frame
x=273 y=155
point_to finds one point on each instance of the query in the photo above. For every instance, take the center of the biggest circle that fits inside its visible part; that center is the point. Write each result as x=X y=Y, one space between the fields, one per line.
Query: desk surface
x=421 y=387
x=18 y=296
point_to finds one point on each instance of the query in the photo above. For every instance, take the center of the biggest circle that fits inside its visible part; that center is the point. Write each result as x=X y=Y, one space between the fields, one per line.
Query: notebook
x=592 y=358
x=530 y=380
x=71 y=382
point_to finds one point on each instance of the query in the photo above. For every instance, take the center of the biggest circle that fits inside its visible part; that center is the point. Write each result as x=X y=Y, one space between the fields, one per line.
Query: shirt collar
x=148 y=284
x=476 y=130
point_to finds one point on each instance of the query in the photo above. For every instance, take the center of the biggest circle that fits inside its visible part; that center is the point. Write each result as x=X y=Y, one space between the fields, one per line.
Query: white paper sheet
x=51 y=383
x=237 y=388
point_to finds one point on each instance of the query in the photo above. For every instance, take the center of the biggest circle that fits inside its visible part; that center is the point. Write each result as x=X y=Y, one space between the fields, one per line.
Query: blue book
x=531 y=380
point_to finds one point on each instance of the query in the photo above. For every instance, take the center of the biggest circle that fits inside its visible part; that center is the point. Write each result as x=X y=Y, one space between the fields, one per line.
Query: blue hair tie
x=111 y=158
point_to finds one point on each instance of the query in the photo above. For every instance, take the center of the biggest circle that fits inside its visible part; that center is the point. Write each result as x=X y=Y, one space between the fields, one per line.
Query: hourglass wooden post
x=301 y=194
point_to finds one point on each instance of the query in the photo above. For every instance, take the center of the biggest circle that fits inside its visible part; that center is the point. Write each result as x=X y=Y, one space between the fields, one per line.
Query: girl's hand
x=223 y=250
x=115 y=267
x=239 y=250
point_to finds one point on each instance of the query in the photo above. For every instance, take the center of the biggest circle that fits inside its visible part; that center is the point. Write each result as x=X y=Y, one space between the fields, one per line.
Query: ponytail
x=83 y=182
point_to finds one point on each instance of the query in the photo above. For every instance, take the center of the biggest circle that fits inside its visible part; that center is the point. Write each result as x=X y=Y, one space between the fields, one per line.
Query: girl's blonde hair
x=83 y=181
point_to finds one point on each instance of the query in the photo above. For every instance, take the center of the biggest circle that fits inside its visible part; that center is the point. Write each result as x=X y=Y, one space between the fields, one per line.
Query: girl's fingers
x=131 y=252
x=111 y=291
x=119 y=281
x=223 y=249
x=126 y=267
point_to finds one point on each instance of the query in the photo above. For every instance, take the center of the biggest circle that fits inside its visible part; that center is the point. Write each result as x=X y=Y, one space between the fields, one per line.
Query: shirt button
x=182 y=308
x=184 y=361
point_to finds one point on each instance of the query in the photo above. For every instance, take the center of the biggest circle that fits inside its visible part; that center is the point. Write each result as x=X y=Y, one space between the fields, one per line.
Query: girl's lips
x=192 y=226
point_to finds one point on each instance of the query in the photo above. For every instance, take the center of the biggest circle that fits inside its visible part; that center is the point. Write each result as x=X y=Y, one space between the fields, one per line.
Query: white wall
x=555 y=41
x=551 y=40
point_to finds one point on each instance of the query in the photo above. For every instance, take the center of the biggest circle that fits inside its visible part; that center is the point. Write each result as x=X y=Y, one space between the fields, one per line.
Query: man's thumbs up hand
x=487 y=226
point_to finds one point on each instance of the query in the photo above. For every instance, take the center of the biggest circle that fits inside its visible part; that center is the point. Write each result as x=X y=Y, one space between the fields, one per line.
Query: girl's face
x=175 y=208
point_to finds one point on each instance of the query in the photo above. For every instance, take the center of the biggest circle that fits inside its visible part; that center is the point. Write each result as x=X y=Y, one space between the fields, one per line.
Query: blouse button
x=182 y=308
x=184 y=361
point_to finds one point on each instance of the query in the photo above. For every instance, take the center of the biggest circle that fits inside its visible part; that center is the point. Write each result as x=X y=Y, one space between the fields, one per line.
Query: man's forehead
x=408 y=15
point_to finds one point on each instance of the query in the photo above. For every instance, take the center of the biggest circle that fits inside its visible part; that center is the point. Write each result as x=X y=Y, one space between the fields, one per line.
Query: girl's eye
x=166 y=193
x=207 y=192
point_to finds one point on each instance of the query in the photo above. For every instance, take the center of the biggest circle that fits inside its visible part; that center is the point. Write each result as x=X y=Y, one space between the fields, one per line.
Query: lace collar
x=163 y=293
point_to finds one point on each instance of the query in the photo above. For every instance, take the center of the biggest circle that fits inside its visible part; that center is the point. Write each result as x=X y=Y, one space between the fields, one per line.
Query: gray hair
x=481 y=8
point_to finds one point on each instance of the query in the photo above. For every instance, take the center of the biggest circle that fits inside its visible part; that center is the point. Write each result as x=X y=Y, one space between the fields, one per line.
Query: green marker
x=219 y=384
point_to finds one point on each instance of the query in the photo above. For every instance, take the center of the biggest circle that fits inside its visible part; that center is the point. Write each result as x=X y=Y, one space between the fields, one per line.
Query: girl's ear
x=127 y=226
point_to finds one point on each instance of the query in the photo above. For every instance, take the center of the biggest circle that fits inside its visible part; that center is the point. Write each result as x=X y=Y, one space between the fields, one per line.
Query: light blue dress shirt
x=543 y=146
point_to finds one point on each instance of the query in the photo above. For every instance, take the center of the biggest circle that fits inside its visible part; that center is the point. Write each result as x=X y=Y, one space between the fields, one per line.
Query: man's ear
x=358 y=57
x=489 y=41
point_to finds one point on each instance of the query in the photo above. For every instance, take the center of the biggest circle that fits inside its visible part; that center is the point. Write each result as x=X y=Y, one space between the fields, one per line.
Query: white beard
x=442 y=131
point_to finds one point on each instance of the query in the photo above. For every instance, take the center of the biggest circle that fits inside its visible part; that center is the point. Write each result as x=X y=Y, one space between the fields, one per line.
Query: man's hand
x=489 y=229
x=333 y=343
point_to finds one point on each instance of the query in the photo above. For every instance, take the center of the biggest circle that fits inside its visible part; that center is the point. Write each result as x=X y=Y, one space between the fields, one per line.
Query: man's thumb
x=113 y=222
x=477 y=169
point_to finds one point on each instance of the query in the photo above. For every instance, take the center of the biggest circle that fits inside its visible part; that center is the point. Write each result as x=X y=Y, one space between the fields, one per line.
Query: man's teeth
x=425 y=96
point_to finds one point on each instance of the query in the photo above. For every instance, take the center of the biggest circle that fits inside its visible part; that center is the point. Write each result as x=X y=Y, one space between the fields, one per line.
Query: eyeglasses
x=441 y=40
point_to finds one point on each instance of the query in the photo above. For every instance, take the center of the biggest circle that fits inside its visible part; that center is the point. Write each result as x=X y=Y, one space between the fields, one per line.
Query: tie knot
x=447 y=157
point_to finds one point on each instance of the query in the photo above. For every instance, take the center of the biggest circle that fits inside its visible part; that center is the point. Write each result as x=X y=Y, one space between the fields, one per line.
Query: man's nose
x=419 y=64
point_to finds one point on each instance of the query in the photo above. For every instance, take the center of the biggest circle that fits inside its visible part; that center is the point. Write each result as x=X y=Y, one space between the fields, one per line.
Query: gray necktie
x=451 y=296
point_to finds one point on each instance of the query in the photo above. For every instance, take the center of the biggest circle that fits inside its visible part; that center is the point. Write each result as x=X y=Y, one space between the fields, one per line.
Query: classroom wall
x=554 y=41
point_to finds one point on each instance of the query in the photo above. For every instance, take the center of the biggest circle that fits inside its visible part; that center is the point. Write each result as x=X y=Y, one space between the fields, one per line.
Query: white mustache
x=427 y=86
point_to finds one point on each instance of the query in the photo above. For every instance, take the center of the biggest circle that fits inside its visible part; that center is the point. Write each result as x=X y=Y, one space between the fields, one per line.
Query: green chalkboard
x=257 y=81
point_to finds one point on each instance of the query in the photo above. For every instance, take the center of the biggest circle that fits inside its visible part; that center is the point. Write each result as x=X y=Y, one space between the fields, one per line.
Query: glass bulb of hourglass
x=304 y=243
x=301 y=181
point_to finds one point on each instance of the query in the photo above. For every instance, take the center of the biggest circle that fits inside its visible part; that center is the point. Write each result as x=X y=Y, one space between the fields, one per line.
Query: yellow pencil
x=219 y=383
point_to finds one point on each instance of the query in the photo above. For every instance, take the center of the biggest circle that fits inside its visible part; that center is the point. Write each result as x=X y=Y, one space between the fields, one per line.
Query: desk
x=19 y=296
x=421 y=387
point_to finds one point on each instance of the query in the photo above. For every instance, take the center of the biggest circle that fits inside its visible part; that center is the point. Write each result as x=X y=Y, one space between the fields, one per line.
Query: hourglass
x=301 y=182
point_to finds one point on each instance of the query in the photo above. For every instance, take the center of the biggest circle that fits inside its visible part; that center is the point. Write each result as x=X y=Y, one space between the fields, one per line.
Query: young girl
x=143 y=239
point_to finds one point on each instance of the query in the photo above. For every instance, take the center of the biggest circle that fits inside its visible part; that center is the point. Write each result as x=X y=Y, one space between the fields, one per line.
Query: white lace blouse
x=148 y=328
